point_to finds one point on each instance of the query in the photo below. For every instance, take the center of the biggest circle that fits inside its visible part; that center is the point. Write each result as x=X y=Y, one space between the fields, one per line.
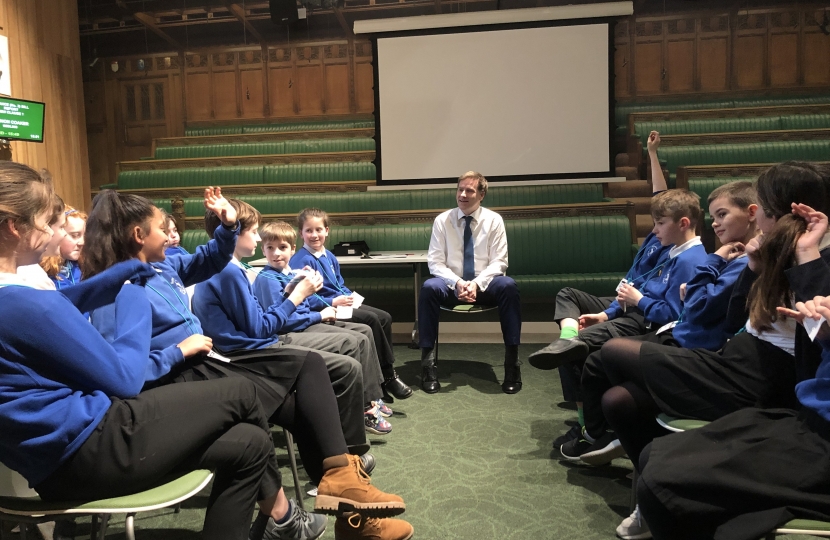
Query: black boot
x=429 y=371
x=512 y=372
x=393 y=386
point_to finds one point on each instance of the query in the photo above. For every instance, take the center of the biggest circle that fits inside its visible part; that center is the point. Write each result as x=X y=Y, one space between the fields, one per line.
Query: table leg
x=417 y=272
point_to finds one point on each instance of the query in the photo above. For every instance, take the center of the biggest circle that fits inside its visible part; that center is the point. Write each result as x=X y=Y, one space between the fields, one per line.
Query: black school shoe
x=394 y=387
x=574 y=433
x=603 y=450
x=559 y=353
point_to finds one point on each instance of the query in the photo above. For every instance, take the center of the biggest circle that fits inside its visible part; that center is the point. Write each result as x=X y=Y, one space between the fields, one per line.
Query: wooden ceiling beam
x=149 y=21
x=344 y=24
x=240 y=14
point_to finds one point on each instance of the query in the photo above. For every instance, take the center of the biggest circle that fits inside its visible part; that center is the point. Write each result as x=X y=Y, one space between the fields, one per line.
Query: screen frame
x=42 y=121
x=609 y=20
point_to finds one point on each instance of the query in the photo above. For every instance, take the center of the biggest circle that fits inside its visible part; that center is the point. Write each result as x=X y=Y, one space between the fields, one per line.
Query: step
x=642 y=205
x=629 y=188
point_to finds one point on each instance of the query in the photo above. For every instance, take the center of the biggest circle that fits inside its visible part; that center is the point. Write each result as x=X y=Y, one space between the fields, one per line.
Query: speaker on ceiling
x=283 y=11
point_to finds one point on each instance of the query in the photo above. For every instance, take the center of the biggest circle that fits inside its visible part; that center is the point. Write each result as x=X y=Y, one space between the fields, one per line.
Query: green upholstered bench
x=416 y=199
x=246 y=174
x=297 y=146
x=742 y=153
x=283 y=126
x=731 y=125
x=591 y=253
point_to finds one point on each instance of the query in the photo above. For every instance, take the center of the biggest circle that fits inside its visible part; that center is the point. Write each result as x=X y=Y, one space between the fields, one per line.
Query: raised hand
x=219 y=205
x=806 y=248
x=653 y=142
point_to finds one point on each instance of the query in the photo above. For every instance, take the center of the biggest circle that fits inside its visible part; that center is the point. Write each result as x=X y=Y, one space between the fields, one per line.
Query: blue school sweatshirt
x=231 y=314
x=329 y=268
x=269 y=288
x=57 y=373
x=69 y=275
x=661 y=303
x=815 y=393
x=649 y=255
x=176 y=250
x=703 y=323
x=173 y=322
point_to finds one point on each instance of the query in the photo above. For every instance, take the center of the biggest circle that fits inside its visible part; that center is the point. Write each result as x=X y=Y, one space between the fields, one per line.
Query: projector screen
x=520 y=103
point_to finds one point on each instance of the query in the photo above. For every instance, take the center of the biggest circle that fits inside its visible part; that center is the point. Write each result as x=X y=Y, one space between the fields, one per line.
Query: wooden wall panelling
x=681 y=55
x=815 y=54
x=713 y=53
x=622 y=57
x=281 y=82
x=309 y=70
x=750 y=52
x=225 y=86
x=336 y=69
x=45 y=65
x=364 y=79
x=198 y=88
x=648 y=68
x=784 y=45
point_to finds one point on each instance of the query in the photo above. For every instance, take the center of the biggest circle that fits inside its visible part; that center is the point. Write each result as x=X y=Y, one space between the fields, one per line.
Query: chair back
x=12 y=484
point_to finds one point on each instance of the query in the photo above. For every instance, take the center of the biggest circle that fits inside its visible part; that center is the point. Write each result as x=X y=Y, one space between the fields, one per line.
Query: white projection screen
x=521 y=103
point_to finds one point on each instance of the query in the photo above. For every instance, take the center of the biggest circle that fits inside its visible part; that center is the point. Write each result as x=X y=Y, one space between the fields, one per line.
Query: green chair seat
x=679 y=424
x=805 y=526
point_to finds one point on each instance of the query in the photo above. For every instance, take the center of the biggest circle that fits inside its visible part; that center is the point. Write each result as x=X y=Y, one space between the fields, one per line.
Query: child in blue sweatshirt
x=73 y=421
x=292 y=388
x=702 y=322
x=174 y=239
x=64 y=269
x=314 y=316
x=235 y=321
x=744 y=475
x=314 y=228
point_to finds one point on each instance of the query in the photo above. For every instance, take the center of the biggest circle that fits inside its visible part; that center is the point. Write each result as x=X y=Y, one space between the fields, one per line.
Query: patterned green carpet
x=471 y=462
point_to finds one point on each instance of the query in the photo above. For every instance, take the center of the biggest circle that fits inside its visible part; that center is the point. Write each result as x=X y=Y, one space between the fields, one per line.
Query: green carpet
x=471 y=462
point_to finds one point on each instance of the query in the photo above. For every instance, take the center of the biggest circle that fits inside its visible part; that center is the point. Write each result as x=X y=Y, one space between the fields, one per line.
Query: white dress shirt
x=446 y=247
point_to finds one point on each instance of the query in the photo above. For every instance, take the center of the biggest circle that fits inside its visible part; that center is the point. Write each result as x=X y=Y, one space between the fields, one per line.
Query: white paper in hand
x=217 y=356
x=358 y=300
x=344 y=312
x=812 y=326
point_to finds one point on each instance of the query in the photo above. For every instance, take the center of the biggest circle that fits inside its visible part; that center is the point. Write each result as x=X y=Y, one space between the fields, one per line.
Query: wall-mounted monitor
x=21 y=120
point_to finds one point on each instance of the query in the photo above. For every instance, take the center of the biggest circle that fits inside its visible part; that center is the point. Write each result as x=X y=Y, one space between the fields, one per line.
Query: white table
x=384 y=258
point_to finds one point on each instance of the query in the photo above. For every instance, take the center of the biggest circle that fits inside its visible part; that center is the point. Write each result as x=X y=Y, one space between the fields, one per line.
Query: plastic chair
x=19 y=504
x=468 y=309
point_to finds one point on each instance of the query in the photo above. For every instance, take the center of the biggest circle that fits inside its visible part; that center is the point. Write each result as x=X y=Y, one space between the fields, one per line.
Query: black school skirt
x=703 y=384
x=743 y=475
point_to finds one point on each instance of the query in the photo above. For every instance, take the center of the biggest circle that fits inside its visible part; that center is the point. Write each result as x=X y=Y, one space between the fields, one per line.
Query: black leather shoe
x=559 y=353
x=395 y=387
x=429 y=379
x=512 y=380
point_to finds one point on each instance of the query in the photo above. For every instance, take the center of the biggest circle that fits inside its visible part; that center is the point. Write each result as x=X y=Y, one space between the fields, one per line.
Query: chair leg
x=633 y=501
x=129 y=526
x=93 y=528
x=23 y=531
x=105 y=521
x=292 y=459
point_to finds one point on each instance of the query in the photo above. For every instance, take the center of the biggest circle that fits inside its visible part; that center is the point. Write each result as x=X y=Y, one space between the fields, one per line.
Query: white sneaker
x=633 y=527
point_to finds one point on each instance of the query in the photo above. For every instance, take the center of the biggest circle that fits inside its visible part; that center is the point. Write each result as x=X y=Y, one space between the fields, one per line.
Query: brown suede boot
x=346 y=487
x=357 y=527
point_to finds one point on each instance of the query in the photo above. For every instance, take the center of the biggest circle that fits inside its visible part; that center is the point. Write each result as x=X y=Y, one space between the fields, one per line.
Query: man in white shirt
x=468 y=257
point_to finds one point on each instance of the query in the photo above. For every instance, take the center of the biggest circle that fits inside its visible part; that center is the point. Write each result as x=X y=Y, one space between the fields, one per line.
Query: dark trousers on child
x=381 y=324
x=218 y=425
x=502 y=292
x=310 y=413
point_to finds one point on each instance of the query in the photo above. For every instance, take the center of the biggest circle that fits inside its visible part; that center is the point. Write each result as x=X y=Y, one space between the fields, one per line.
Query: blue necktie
x=469 y=256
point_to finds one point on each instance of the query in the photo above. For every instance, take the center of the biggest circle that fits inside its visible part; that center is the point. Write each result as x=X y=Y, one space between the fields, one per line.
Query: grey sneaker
x=300 y=526
x=633 y=527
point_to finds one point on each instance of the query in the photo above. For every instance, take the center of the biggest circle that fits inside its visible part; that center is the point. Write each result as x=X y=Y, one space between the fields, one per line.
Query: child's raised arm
x=658 y=181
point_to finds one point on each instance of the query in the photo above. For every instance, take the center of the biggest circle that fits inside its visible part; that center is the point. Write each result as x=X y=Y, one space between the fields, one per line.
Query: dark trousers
x=217 y=425
x=502 y=292
x=571 y=303
x=303 y=403
x=381 y=324
x=631 y=324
